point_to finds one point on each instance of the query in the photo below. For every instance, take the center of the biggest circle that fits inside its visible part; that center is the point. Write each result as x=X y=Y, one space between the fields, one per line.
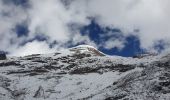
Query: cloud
x=151 y=17
x=55 y=20
x=34 y=47
x=114 y=43
x=10 y=16
x=49 y=18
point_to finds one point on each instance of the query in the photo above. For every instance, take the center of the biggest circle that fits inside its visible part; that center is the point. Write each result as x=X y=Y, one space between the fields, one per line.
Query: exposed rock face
x=145 y=55
x=40 y=93
x=82 y=74
x=2 y=56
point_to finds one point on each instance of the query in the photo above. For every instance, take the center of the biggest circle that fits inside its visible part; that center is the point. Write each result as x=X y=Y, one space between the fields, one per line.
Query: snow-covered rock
x=84 y=73
x=87 y=49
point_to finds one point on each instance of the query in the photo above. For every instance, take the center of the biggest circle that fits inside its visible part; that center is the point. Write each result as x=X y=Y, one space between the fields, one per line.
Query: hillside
x=84 y=73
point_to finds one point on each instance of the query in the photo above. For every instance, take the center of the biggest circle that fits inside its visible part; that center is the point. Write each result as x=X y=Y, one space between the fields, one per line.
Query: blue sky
x=132 y=47
x=114 y=27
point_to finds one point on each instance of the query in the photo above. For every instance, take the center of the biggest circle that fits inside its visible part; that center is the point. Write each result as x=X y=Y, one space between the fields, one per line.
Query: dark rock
x=142 y=55
x=10 y=63
x=122 y=68
x=85 y=70
x=39 y=93
x=117 y=97
x=167 y=83
x=2 y=56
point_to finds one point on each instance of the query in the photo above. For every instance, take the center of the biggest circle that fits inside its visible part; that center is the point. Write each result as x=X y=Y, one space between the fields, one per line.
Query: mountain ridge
x=79 y=73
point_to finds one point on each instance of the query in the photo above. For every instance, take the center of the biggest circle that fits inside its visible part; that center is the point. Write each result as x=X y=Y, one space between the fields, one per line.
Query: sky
x=115 y=27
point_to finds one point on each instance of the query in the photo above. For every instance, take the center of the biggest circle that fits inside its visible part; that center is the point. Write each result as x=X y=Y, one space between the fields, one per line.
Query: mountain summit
x=84 y=73
x=87 y=49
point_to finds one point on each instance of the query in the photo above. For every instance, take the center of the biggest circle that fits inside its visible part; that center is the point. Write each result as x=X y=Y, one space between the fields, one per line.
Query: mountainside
x=84 y=73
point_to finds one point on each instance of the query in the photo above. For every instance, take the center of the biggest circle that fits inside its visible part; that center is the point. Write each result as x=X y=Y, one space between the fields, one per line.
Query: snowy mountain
x=84 y=73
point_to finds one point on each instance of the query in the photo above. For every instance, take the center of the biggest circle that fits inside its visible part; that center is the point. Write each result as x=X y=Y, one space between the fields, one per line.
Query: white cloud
x=34 y=47
x=10 y=16
x=114 y=43
x=49 y=17
x=151 y=17
x=78 y=38
x=52 y=19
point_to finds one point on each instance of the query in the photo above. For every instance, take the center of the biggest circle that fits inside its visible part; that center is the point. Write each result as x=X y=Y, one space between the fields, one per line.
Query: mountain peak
x=87 y=49
x=85 y=46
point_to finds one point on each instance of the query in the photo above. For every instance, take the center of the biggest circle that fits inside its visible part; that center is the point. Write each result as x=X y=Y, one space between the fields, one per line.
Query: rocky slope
x=84 y=73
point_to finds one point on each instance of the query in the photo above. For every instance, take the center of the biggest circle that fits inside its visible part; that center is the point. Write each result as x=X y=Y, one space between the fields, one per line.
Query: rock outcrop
x=2 y=56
